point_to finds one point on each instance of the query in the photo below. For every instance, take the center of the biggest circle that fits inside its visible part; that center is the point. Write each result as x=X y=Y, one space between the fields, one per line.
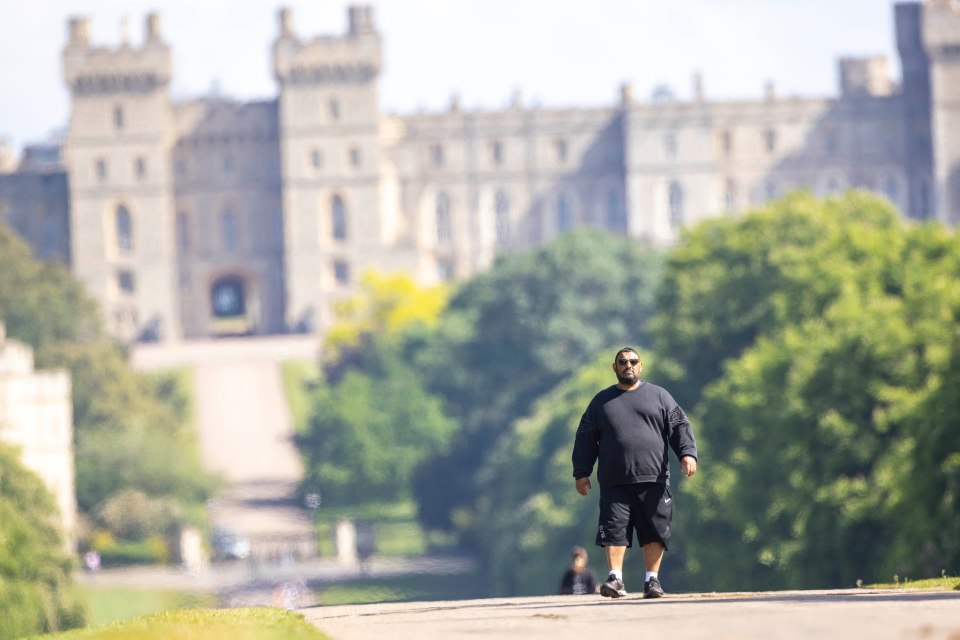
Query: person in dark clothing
x=578 y=579
x=627 y=430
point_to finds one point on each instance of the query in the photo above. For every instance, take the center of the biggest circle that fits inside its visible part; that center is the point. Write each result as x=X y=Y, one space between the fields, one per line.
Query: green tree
x=371 y=421
x=36 y=591
x=729 y=282
x=511 y=334
x=131 y=431
x=820 y=338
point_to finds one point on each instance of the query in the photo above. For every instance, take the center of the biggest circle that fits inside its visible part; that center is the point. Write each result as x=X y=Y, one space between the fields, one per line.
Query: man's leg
x=613 y=587
x=652 y=556
x=615 y=556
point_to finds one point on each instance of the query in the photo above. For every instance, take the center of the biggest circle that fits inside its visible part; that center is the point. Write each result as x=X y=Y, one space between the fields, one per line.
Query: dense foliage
x=132 y=432
x=36 y=591
x=819 y=339
x=815 y=344
x=371 y=422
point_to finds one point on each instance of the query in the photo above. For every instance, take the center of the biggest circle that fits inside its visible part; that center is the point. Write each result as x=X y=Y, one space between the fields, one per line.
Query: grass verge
x=946 y=583
x=110 y=604
x=252 y=623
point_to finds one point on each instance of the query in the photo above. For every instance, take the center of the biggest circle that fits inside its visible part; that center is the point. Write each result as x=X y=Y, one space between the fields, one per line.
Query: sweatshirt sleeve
x=681 y=434
x=585 y=447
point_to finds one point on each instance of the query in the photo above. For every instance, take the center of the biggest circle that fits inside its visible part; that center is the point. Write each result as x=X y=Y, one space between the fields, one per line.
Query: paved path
x=810 y=615
x=245 y=432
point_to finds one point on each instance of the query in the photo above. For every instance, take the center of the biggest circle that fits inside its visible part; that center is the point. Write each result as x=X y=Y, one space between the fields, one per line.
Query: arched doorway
x=230 y=307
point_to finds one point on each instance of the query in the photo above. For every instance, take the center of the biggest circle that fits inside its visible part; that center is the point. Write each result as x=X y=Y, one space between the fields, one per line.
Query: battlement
x=100 y=70
x=864 y=77
x=941 y=28
x=352 y=58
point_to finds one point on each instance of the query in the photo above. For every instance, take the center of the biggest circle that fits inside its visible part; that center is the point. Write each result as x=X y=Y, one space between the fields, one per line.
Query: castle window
x=445 y=270
x=560 y=148
x=564 y=213
x=616 y=215
x=675 y=200
x=729 y=195
x=341 y=273
x=118 y=119
x=770 y=140
x=316 y=158
x=334 y=109
x=892 y=189
x=355 y=156
x=444 y=232
x=183 y=232
x=670 y=146
x=126 y=283
x=501 y=210
x=436 y=155
x=140 y=168
x=49 y=235
x=496 y=152
x=771 y=190
x=124 y=229
x=230 y=230
x=338 y=219
x=725 y=141
x=101 y=170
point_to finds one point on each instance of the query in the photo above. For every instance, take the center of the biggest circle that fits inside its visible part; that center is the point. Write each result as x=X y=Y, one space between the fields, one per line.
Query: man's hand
x=583 y=486
x=688 y=465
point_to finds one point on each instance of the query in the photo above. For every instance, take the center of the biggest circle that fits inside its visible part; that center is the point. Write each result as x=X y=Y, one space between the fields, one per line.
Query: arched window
x=183 y=232
x=729 y=195
x=616 y=215
x=338 y=219
x=501 y=210
x=124 y=226
x=227 y=298
x=230 y=230
x=675 y=199
x=564 y=213
x=444 y=232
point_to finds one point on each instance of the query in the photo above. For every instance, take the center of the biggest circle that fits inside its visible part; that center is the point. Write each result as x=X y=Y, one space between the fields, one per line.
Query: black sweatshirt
x=629 y=432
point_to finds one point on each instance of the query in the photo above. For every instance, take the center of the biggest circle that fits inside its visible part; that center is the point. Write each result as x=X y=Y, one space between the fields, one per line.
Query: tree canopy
x=36 y=590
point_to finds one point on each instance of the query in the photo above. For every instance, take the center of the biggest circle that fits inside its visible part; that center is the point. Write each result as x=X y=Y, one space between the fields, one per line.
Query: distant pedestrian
x=627 y=429
x=578 y=579
x=92 y=560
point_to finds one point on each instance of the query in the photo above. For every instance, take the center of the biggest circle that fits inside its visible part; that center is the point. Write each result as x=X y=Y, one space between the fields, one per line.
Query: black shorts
x=646 y=508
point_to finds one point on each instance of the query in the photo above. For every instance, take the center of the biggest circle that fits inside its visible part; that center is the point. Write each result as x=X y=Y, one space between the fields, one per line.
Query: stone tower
x=330 y=161
x=118 y=157
x=941 y=38
x=915 y=96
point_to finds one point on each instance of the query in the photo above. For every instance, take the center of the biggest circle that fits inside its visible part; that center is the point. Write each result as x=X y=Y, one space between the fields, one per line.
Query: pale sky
x=557 y=53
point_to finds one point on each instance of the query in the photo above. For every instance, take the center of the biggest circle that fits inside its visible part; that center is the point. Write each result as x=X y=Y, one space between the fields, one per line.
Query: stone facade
x=213 y=217
x=36 y=416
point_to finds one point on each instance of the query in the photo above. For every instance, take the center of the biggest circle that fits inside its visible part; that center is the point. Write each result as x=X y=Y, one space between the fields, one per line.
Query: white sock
x=650 y=574
x=617 y=574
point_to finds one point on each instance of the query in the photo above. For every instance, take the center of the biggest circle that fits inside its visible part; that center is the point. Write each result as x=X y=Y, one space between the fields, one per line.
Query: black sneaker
x=613 y=588
x=652 y=588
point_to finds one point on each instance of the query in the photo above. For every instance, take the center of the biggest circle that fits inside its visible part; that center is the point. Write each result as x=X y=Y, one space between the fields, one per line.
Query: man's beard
x=628 y=377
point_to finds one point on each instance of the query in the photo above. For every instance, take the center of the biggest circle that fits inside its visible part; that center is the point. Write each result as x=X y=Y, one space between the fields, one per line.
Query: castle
x=210 y=217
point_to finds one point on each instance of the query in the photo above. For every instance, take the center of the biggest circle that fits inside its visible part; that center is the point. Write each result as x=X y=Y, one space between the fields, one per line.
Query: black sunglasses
x=632 y=361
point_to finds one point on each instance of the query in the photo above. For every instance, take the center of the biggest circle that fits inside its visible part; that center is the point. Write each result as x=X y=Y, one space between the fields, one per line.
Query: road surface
x=811 y=615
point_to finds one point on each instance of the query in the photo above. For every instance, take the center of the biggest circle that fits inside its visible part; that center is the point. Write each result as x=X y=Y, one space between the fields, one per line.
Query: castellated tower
x=118 y=151
x=330 y=161
x=941 y=39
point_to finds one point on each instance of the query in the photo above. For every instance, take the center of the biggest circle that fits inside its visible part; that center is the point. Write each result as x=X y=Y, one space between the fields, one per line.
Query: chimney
x=152 y=27
x=285 y=16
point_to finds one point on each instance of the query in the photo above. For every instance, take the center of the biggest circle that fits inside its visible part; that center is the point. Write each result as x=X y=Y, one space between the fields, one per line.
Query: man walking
x=627 y=429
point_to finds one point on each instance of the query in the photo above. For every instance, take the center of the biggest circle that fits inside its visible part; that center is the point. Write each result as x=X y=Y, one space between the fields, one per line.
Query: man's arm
x=585 y=451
